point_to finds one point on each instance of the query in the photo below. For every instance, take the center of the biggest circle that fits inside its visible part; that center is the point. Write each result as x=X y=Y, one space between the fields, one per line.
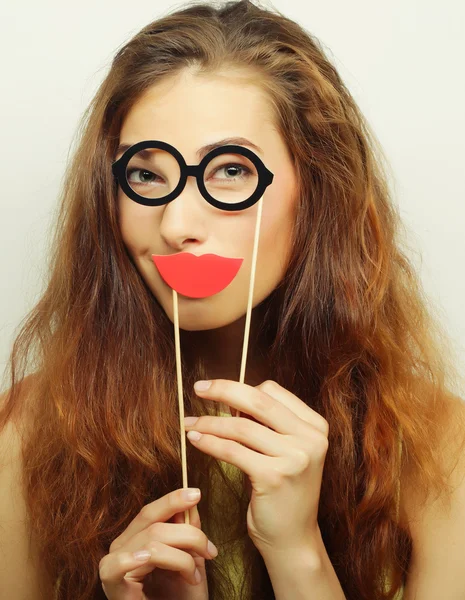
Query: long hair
x=348 y=330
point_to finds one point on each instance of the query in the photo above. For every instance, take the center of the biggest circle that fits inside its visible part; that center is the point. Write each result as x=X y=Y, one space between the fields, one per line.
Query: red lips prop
x=197 y=276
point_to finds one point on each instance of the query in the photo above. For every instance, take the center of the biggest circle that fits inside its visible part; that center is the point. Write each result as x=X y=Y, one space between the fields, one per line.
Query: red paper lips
x=197 y=276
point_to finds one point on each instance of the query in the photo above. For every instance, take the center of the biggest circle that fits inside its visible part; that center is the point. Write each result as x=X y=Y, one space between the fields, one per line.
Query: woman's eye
x=145 y=176
x=234 y=171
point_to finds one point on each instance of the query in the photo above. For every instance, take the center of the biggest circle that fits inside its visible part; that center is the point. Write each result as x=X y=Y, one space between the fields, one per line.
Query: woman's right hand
x=178 y=552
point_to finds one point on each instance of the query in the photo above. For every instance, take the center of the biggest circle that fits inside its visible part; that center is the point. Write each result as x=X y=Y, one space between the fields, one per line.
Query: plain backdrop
x=403 y=61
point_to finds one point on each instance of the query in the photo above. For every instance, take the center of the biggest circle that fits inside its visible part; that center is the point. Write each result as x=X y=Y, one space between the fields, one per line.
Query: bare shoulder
x=451 y=453
x=20 y=574
x=437 y=525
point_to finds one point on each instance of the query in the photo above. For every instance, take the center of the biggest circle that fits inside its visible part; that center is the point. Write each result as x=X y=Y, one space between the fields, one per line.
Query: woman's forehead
x=192 y=107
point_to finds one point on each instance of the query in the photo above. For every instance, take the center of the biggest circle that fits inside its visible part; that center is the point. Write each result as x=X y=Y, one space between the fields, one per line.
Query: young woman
x=343 y=475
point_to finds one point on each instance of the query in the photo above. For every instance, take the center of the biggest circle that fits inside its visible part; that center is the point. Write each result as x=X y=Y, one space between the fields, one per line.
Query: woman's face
x=188 y=112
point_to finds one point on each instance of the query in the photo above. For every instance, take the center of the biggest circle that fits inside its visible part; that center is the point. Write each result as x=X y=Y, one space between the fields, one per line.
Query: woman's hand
x=178 y=551
x=282 y=451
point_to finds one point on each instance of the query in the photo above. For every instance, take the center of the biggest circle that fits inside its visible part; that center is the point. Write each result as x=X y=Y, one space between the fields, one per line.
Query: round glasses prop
x=230 y=177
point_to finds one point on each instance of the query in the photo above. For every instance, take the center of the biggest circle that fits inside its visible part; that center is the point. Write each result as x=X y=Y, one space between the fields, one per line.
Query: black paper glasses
x=230 y=177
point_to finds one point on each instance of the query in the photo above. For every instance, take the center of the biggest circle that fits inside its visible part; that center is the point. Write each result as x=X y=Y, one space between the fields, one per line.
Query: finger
x=118 y=569
x=113 y=568
x=181 y=535
x=161 y=509
x=195 y=521
x=292 y=402
x=258 y=404
x=250 y=433
x=250 y=462
x=194 y=517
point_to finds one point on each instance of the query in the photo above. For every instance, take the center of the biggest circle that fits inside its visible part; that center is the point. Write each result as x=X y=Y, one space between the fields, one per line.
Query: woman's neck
x=221 y=351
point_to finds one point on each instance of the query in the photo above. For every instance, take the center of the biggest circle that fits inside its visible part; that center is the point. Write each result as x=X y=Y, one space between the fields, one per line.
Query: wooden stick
x=180 y=397
x=249 y=303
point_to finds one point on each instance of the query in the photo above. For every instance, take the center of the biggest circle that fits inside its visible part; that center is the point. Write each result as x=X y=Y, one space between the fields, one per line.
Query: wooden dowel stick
x=180 y=397
x=249 y=303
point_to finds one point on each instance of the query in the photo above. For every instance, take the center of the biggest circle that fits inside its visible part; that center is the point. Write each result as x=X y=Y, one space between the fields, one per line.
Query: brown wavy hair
x=349 y=329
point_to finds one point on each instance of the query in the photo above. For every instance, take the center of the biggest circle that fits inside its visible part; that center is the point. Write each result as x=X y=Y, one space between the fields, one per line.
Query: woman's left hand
x=283 y=453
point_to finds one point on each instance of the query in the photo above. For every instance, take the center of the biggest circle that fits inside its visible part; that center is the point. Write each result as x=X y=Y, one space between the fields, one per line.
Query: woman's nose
x=184 y=217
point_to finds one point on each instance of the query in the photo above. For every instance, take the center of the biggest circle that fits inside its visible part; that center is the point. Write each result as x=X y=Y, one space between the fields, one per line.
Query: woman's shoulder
x=436 y=521
x=16 y=425
x=414 y=504
x=24 y=401
x=21 y=577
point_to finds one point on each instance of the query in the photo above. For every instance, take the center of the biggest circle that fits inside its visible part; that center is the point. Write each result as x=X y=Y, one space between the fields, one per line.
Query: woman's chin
x=198 y=316
x=197 y=327
x=202 y=322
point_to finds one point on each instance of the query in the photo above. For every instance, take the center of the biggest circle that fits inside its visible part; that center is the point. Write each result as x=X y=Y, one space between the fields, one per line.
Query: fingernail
x=194 y=436
x=191 y=494
x=212 y=549
x=197 y=576
x=202 y=386
x=142 y=555
x=190 y=420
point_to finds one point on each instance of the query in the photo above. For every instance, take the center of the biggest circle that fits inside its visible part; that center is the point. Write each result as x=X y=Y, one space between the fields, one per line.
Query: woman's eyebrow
x=201 y=152
x=239 y=141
